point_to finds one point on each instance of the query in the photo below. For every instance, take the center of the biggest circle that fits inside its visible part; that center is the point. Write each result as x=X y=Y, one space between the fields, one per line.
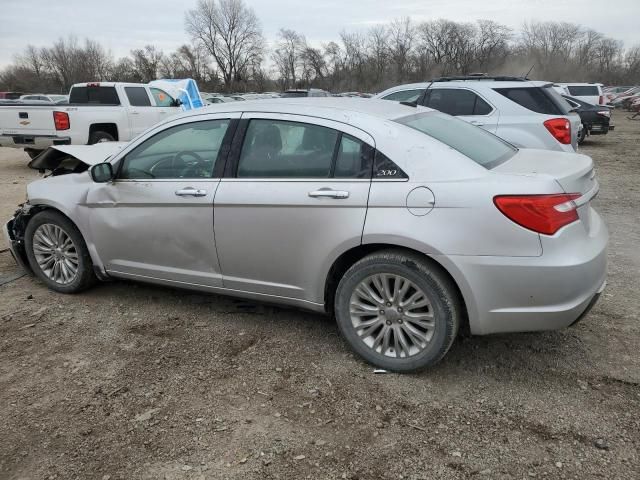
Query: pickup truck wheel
x=57 y=253
x=99 y=137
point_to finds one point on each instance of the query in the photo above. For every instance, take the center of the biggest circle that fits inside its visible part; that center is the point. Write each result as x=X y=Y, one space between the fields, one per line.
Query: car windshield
x=479 y=145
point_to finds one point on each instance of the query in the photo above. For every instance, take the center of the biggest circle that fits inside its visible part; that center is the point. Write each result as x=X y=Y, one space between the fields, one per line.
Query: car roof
x=474 y=84
x=331 y=108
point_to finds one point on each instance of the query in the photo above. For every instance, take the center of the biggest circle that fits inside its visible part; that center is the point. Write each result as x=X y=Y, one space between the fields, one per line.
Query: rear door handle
x=476 y=123
x=191 y=192
x=328 y=193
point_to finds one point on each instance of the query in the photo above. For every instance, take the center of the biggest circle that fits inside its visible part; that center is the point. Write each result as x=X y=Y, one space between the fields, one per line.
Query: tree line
x=228 y=52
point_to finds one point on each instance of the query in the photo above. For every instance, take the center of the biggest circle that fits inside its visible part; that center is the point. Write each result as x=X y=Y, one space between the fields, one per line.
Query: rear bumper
x=520 y=294
x=36 y=142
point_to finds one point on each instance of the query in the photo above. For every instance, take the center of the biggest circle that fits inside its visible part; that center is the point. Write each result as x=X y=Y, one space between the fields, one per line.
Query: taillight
x=61 y=120
x=541 y=213
x=600 y=100
x=560 y=128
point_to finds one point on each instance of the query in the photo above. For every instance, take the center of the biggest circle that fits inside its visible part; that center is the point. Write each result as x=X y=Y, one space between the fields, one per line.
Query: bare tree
x=231 y=33
x=147 y=62
x=287 y=56
x=401 y=38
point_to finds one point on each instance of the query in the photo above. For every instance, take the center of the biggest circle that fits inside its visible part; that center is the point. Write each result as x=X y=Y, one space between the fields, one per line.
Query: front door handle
x=191 y=192
x=328 y=193
x=476 y=123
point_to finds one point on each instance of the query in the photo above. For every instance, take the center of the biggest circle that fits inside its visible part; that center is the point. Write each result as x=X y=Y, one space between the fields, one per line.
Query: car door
x=463 y=103
x=142 y=114
x=164 y=103
x=293 y=197
x=155 y=220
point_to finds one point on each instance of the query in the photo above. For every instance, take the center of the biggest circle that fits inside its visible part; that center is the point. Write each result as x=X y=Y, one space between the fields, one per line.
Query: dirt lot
x=129 y=381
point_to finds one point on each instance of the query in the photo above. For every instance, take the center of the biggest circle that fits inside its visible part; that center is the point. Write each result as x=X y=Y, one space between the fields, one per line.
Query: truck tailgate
x=26 y=120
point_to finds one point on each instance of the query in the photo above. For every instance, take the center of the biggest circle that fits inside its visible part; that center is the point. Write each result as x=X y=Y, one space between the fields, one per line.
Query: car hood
x=90 y=155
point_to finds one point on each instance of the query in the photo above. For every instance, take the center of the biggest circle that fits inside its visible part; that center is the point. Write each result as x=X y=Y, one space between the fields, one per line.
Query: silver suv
x=526 y=113
x=404 y=223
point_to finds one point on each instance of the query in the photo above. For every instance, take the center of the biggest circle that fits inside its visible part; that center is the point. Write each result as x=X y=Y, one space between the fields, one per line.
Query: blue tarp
x=185 y=89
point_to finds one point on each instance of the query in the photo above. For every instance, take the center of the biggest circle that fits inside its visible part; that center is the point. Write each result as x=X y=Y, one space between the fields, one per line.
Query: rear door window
x=137 y=96
x=94 y=95
x=543 y=100
x=584 y=90
x=283 y=149
x=405 y=95
x=353 y=158
x=456 y=101
x=479 y=145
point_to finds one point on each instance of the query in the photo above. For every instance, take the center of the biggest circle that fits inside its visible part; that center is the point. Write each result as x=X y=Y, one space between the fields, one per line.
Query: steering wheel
x=186 y=153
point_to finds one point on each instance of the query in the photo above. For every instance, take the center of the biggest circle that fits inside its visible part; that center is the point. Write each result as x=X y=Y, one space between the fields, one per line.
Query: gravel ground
x=130 y=381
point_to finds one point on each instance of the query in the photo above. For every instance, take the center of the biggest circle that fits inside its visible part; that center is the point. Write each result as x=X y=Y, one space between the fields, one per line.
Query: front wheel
x=57 y=253
x=398 y=311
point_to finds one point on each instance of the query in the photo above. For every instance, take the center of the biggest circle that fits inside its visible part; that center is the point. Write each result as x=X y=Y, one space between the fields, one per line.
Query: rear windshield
x=94 y=95
x=584 y=90
x=479 y=145
x=537 y=99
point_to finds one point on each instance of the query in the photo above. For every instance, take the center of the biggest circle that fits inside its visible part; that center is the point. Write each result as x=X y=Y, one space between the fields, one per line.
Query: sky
x=123 y=25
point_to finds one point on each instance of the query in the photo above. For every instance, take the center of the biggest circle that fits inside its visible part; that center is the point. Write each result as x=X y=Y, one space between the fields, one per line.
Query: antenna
x=527 y=74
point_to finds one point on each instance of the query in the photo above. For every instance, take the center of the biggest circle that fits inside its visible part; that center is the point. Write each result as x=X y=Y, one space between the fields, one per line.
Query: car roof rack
x=498 y=78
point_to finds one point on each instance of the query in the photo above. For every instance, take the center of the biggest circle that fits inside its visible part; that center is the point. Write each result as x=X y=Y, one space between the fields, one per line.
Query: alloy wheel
x=392 y=315
x=56 y=254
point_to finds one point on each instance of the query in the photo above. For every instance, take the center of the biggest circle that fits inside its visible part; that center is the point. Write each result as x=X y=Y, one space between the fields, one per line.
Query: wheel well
x=348 y=258
x=110 y=128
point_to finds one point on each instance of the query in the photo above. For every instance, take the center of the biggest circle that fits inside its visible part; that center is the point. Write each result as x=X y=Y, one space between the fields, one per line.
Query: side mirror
x=102 y=172
x=176 y=103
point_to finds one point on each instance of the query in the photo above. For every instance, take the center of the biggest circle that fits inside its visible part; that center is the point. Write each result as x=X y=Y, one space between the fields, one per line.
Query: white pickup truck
x=97 y=112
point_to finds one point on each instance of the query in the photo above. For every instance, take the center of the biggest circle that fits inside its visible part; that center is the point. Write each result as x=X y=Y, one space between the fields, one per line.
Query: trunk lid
x=573 y=172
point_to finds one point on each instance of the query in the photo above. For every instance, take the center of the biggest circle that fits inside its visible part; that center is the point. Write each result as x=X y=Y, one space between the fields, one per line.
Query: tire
x=583 y=135
x=444 y=305
x=44 y=226
x=100 y=136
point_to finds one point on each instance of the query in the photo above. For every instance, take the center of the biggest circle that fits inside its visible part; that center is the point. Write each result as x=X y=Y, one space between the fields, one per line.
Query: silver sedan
x=406 y=224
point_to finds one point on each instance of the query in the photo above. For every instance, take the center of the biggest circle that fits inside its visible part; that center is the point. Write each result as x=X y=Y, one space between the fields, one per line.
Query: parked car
x=596 y=119
x=587 y=92
x=525 y=113
x=47 y=98
x=96 y=112
x=217 y=99
x=312 y=92
x=10 y=95
x=405 y=223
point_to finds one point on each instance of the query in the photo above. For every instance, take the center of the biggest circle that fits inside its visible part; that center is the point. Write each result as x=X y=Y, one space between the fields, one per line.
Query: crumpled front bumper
x=13 y=234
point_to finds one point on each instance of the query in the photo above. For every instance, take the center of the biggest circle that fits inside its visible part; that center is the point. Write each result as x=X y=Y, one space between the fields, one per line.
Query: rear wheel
x=57 y=253
x=397 y=311
x=582 y=135
x=99 y=137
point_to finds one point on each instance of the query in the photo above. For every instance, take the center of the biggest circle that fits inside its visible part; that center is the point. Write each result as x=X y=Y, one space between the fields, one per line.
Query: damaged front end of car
x=13 y=232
